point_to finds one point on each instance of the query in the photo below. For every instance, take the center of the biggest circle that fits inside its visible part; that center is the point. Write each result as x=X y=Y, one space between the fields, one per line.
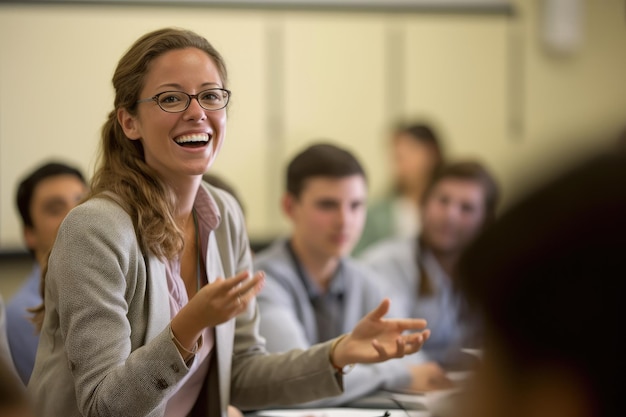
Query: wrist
x=185 y=333
x=337 y=358
x=186 y=353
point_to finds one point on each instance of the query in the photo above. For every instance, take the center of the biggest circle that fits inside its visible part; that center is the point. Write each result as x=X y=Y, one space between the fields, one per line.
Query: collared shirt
x=183 y=400
x=329 y=306
x=21 y=332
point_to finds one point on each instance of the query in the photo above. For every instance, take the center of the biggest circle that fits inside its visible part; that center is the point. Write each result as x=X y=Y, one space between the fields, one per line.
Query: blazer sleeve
x=93 y=273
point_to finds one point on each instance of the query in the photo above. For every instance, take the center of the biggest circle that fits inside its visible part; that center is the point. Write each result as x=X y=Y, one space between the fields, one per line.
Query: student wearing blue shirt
x=43 y=199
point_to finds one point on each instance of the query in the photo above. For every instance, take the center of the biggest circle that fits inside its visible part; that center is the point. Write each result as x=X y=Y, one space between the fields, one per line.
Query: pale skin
x=413 y=162
x=181 y=168
x=327 y=219
x=452 y=215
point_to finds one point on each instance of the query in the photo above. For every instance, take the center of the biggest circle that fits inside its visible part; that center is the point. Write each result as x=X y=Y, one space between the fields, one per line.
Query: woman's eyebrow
x=180 y=87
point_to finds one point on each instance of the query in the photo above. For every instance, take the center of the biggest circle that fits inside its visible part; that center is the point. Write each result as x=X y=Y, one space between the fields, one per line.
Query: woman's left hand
x=376 y=339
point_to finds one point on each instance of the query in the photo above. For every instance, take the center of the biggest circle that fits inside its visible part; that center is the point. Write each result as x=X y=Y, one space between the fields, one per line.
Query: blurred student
x=547 y=279
x=314 y=291
x=416 y=154
x=43 y=199
x=418 y=272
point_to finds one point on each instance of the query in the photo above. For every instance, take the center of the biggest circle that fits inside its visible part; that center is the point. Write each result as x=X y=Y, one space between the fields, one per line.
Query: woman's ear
x=129 y=124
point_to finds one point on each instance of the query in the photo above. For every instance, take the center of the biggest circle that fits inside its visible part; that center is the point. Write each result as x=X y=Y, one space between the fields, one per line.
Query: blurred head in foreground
x=548 y=279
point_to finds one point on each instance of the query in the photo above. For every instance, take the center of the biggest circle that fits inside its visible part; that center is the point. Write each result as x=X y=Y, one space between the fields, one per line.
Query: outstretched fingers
x=243 y=291
x=404 y=345
x=385 y=354
x=410 y=324
x=379 y=312
x=415 y=341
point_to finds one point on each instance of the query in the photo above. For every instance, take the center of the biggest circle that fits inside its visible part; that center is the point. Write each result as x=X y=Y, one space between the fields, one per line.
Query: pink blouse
x=180 y=403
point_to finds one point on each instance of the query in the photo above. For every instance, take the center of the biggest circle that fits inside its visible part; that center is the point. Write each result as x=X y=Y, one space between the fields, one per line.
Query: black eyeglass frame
x=155 y=98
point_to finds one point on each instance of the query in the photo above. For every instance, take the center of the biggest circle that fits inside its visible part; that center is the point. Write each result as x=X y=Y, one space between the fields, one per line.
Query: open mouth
x=196 y=140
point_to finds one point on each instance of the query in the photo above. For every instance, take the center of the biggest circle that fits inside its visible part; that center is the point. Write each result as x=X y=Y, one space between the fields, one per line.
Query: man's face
x=329 y=214
x=52 y=199
x=453 y=214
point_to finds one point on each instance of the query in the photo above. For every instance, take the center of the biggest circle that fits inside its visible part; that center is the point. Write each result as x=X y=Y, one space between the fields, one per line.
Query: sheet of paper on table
x=342 y=412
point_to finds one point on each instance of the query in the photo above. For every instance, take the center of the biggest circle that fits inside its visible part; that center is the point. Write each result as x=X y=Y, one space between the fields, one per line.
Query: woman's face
x=184 y=144
x=412 y=162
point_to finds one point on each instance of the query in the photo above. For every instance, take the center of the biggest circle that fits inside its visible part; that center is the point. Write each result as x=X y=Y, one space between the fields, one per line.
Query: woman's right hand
x=215 y=303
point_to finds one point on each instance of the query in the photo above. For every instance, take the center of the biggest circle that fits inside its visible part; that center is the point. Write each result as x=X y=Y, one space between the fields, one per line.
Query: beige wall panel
x=571 y=100
x=456 y=77
x=335 y=84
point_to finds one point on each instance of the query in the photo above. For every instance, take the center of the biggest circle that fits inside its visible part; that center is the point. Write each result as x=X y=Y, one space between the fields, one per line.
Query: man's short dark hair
x=321 y=160
x=548 y=279
x=27 y=186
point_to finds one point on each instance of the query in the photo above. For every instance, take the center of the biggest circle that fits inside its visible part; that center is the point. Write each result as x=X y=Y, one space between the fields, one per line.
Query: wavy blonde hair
x=122 y=168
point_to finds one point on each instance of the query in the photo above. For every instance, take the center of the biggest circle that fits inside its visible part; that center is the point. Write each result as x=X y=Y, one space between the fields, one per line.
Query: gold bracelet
x=196 y=347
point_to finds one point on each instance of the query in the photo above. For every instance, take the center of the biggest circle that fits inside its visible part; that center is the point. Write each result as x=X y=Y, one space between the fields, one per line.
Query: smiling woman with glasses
x=149 y=305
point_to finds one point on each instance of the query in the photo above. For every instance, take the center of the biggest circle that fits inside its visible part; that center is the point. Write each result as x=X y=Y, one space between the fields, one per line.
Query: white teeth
x=196 y=137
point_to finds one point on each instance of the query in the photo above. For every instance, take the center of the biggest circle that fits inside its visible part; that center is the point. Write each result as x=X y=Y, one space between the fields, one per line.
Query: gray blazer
x=288 y=320
x=105 y=346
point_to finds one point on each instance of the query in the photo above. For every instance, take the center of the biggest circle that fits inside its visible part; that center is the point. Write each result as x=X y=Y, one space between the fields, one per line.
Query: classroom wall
x=486 y=81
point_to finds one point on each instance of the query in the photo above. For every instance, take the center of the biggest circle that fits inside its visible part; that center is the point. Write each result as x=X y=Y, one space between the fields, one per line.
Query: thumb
x=380 y=311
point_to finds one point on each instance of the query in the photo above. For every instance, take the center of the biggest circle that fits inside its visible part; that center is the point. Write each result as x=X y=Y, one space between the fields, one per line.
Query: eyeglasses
x=178 y=101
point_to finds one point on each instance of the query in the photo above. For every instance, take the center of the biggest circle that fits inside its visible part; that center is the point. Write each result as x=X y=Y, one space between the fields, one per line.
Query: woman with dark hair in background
x=416 y=154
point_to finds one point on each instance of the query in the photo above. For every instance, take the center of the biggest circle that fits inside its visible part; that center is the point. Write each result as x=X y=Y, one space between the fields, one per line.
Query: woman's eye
x=170 y=98
x=210 y=96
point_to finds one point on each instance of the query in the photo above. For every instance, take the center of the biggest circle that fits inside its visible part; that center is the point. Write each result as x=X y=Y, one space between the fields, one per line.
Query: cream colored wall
x=569 y=100
x=299 y=76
